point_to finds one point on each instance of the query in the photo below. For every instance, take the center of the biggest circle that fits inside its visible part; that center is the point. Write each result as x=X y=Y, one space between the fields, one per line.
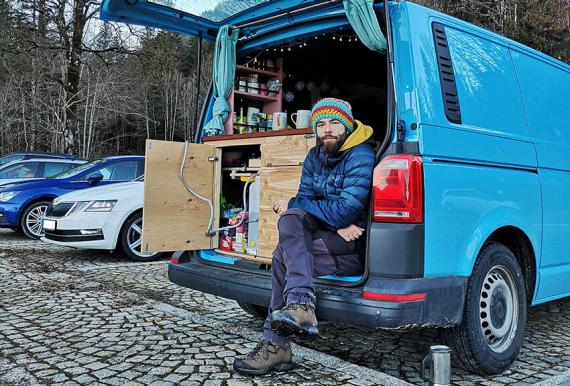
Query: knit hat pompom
x=333 y=108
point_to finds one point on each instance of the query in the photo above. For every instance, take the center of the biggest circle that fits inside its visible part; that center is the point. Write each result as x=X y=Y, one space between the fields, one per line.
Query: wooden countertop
x=257 y=135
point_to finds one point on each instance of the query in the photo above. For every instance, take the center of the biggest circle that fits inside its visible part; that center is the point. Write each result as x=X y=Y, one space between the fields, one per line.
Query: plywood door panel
x=286 y=151
x=279 y=183
x=173 y=218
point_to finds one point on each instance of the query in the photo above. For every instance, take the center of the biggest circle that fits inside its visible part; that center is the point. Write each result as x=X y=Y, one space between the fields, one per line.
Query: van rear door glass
x=213 y=10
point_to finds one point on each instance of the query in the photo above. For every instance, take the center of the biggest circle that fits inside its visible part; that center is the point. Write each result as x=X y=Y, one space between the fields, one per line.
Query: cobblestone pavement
x=79 y=317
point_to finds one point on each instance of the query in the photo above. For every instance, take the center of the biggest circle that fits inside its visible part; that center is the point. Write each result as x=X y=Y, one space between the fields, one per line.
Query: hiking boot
x=265 y=357
x=297 y=320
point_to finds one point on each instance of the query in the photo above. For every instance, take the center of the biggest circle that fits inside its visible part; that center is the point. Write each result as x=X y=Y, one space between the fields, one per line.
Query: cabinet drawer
x=286 y=151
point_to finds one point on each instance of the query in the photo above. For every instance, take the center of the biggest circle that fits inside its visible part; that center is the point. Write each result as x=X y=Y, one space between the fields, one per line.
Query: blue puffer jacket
x=335 y=188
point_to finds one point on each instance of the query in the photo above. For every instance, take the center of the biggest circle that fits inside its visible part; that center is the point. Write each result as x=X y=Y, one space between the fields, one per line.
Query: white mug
x=279 y=121
x=303 y=120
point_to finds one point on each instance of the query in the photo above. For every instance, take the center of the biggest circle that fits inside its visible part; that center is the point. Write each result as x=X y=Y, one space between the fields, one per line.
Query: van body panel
x=472 y=145
x=405 y=75
x=466 y=203
x=546 y=92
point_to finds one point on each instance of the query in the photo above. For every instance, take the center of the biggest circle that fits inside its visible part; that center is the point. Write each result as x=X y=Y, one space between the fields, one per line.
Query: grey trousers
x=306 y=250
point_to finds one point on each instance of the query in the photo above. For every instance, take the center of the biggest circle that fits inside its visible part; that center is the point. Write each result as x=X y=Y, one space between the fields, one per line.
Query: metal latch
x=213 y=159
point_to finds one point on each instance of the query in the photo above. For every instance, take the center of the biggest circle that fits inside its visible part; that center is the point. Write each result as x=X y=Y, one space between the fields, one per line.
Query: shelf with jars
x=255 y=97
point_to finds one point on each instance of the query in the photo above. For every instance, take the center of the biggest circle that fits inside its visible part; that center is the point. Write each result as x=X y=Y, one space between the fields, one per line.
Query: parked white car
x=35 y=169
x=105 y=217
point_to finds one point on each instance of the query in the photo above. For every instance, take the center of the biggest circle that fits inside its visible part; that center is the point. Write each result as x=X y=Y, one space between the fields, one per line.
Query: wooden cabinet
x=174 y=219
x=286 y=151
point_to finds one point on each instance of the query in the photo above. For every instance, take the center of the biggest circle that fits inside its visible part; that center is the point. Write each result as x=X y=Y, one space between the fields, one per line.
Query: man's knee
x=291 y=217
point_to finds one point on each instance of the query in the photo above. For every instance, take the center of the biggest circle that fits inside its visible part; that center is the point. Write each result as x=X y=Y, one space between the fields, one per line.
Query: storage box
x=254 y=163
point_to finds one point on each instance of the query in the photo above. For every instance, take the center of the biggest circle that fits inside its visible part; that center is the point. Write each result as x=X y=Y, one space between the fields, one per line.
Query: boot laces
x=264 y=347
x=295 y=306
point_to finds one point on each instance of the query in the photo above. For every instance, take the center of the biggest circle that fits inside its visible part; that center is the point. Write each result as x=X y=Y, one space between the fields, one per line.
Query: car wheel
x=131 y=239
x=31 y=222
x=259 y=312
x=491 y=333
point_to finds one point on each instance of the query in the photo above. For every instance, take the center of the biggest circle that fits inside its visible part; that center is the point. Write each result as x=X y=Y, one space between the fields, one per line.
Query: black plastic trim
x=446 y=74
x=396 y=250
x=70 y=235
x=402 y=148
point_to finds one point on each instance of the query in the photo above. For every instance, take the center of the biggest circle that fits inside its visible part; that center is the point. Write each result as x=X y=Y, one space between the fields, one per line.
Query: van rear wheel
x=491 y=333
x=259 y=312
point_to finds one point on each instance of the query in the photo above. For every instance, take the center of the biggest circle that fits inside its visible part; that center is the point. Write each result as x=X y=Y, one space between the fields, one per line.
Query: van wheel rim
x=134 y=239
x=499 y=309
x=34 y=219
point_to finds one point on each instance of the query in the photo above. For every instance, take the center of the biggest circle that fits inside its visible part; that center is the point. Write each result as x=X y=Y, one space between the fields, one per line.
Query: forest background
x=70 y=82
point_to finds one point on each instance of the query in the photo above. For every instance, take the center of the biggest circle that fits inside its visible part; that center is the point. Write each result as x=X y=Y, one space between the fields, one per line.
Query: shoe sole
x=291 y=328
x=278 y=367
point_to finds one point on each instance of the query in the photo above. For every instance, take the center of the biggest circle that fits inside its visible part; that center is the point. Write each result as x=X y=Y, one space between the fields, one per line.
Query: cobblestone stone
x=91 y=314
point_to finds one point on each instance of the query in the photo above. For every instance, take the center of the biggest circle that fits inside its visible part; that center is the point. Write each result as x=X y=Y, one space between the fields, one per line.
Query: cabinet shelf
x=248 y=70
x=257 y=97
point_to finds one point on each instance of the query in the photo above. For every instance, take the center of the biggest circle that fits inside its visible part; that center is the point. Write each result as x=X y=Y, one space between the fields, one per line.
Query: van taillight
x=398 y=189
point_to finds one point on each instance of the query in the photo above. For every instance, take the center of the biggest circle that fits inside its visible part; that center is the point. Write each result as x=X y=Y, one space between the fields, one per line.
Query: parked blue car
x=23 y=155
x=469 y=217
x=23 y=204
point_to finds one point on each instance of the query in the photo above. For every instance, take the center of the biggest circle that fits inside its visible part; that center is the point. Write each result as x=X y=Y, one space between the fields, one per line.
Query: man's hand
x=280 y=206
x=351 y=232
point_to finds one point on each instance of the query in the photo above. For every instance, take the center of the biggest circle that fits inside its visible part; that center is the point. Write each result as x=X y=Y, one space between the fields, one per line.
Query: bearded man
x=321 y=232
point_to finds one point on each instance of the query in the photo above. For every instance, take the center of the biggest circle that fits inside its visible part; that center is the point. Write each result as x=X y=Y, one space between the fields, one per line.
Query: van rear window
x=213 y=10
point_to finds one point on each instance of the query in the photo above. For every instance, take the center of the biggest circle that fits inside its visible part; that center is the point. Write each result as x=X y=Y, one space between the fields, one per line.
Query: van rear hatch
x=205 y=17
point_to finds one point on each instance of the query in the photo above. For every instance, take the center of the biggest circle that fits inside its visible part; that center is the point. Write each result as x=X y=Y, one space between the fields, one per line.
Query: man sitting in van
x=320 y=232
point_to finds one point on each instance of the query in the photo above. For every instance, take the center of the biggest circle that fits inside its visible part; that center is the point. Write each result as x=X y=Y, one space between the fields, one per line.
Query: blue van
x=468 y=219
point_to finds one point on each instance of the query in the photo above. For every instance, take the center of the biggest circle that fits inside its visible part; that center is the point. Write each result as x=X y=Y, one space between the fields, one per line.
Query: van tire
x=474 y=344
x=259 y=312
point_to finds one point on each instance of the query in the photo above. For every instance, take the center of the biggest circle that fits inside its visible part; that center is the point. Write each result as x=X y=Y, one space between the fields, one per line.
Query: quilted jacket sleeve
x=353 y=198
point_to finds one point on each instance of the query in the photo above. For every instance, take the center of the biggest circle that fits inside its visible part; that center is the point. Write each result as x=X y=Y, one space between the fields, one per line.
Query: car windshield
x=77 y=170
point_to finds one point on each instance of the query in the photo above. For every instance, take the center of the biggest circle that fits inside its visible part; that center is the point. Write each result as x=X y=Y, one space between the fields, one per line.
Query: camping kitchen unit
x=467 y=224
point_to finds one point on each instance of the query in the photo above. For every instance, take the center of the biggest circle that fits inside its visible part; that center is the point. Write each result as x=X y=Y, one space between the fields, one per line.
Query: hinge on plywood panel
x=212 y=159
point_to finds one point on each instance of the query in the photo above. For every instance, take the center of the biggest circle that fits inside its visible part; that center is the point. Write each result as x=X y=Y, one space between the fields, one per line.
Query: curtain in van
x=223 y=75
x=362 y=18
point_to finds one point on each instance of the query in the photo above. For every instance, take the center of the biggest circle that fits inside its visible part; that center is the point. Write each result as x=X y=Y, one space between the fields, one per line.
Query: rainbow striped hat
x=333 y=108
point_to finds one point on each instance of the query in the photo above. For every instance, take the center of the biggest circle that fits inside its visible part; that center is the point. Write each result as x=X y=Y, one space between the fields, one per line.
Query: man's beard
x=332 y=147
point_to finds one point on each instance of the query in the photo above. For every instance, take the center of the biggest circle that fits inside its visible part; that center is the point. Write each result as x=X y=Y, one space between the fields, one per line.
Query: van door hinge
x=212 y=159
x=400 y=129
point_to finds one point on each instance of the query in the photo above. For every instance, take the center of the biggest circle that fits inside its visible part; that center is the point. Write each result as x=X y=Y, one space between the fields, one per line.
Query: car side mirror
x=94 y=178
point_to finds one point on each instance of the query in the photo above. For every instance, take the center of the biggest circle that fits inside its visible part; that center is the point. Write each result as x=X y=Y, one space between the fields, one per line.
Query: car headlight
x=78 y=206
x=7 y=196
x=101 y=206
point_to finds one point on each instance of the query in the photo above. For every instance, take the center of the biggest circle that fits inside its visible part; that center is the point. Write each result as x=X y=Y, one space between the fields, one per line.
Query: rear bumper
x=442 y=306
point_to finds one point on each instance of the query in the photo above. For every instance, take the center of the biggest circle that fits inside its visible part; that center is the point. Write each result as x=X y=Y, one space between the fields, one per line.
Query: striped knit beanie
x=333 y=108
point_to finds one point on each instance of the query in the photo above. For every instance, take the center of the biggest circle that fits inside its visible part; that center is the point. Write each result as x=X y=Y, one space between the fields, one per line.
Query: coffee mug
x=302 y=120
x=279 y=121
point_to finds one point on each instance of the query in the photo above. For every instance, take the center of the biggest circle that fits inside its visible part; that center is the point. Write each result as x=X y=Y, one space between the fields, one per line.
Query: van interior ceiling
x=330 y=67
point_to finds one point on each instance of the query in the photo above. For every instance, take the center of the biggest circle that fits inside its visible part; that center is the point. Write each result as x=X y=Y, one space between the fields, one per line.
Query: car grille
x=59 y=210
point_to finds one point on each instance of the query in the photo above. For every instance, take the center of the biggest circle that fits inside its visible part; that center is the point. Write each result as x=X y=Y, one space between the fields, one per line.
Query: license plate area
x=50 y=225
